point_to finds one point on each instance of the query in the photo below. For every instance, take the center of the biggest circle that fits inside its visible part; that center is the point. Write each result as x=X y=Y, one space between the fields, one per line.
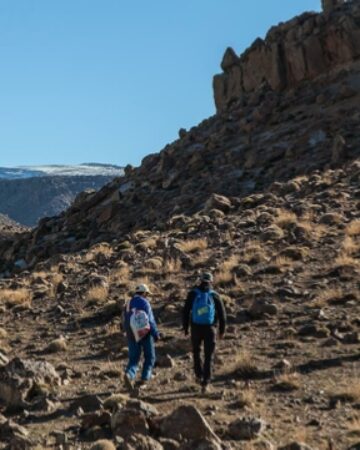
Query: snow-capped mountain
x=88 y=169
x=28 y=193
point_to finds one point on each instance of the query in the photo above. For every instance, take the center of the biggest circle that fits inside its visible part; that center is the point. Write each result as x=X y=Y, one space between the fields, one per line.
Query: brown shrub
x=13 y=297
x=172 y=265
x=193 y=245
x=353 y=229
x=285 y=218
x=97 y=294
x=350 y=246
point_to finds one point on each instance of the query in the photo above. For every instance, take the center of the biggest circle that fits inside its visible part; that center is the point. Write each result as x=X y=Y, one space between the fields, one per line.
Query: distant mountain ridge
x=29 y=193
x=86 y=169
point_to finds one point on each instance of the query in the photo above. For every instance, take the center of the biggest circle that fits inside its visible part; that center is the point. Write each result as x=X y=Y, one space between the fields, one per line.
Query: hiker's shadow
x=166 y=396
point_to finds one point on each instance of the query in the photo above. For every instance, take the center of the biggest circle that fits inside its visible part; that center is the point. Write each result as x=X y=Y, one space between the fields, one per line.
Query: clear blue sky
x=114 y=80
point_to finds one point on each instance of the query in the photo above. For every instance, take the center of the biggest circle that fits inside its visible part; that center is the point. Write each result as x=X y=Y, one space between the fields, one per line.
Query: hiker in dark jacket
x=145 y=344
x=204 y=310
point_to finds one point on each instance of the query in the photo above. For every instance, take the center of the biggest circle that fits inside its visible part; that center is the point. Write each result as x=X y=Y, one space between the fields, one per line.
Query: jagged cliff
x=299 y=50
x=262 y=142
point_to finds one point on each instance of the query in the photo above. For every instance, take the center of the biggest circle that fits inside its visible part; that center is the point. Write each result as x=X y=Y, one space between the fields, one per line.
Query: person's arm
x=125 y=316
x=186 y=311
x=153 y=327
x=221 y=314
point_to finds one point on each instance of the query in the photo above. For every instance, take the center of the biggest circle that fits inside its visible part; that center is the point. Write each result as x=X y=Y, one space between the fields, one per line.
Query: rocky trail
x=266 y=195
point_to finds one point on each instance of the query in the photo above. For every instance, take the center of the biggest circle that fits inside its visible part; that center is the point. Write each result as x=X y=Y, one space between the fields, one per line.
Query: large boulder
x=17 y=435
x=219 y=202
x=259 y=308
x=23 y=380
x=246 y=428
x=187 y=422
x=132 y=418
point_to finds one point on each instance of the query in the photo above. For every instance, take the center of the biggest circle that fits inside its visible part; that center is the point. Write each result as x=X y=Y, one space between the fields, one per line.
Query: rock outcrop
x=274 y=132
x=302 y=49
x=329 y=5
x=23 y=381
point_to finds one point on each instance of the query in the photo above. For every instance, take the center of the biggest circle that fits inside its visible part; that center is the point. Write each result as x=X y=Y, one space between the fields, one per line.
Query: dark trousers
x=203 y=334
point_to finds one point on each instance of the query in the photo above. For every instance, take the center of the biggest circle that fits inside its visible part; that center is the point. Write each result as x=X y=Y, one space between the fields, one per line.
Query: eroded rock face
x=301 y=49
x=23 y=380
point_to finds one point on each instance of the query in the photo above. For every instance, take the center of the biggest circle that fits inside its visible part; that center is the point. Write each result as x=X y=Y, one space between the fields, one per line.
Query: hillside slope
x=267 y=136
x=266 y=195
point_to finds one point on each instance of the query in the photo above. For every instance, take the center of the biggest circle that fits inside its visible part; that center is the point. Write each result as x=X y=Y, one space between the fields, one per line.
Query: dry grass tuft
x=41 y=274
x=253 y=252
x=97 y=294
x=243 y=366
x=193 y=245
x=285 y=218
x=121 y=275
x=346 y=261
x=14 y=297
x=282 y=261
x=98 y=249
x=354 y=426
x=311 y=231
x=230 y=264
x=224 y=278
x=350 y=393
x=329 y=295
x=246 y=398
x=350 y=246
x=172 y=265
x=154 y=263
x=3 y=333
x=224 y=275
x=353 y=229
x=147 y=244
x=287 y=382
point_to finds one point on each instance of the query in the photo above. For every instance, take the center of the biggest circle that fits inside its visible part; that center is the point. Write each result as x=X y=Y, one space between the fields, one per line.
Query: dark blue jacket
x=138 y=302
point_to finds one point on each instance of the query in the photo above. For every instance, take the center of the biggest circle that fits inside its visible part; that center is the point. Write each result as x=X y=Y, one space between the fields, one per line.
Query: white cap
x=143 y=289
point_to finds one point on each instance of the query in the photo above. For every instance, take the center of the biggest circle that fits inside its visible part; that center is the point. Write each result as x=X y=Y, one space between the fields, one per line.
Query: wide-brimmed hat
x=142 y=289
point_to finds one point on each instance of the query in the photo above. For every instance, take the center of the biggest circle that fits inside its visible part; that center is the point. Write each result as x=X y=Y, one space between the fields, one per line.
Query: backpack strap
x=128 y=306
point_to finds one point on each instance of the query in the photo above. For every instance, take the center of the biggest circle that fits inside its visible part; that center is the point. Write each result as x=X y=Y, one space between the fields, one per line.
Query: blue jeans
x=135 y=348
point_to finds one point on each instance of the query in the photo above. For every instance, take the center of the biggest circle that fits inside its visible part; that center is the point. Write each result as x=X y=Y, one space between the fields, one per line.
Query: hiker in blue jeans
x=140 y=339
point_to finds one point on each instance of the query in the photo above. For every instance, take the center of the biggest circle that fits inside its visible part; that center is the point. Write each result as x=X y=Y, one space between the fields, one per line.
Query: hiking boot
x=198 y=380
x=141 y=385
x=129 y=383
x=204 y=388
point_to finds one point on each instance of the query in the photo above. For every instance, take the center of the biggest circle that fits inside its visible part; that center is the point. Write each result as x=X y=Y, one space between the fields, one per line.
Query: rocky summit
x=266 y=196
